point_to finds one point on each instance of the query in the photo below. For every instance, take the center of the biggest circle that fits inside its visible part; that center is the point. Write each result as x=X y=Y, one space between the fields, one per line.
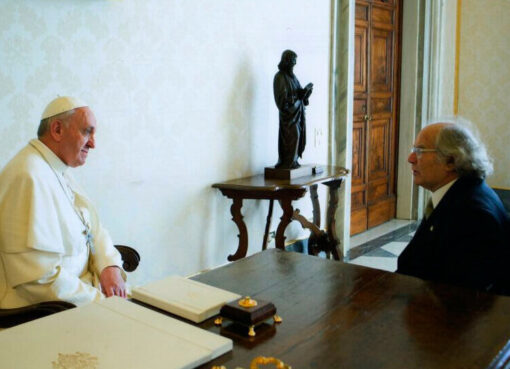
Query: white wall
x=182 y=91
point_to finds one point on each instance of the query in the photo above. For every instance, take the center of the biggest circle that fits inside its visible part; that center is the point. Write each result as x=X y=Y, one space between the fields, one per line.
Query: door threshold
x=375 y=237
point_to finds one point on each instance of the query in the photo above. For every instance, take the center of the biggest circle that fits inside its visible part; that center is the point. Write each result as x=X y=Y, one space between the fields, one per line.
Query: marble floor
x=380 y=247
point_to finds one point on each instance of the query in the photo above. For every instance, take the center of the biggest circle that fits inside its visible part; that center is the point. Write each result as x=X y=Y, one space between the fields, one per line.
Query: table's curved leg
x=268 y=224
x=296 y=215
x=334 y=242
x=316 y=205
x=237 y=217
x=318 y=238
x=286 y=204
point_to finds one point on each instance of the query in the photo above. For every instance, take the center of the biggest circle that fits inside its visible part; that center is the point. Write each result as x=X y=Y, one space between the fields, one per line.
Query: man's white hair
x=459 y=143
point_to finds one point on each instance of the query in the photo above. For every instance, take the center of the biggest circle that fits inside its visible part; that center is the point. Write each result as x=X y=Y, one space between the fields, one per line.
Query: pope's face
x=78 y=137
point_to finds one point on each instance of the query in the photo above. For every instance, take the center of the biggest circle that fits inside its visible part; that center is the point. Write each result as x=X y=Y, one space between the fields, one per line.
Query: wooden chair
x=12 y=317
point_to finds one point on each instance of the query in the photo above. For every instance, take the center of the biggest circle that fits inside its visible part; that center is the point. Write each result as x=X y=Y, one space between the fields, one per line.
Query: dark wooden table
x=337 y=315
x=286 y=191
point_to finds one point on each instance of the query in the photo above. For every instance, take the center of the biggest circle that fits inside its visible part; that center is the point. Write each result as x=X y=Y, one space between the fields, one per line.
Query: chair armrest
x=130 y=257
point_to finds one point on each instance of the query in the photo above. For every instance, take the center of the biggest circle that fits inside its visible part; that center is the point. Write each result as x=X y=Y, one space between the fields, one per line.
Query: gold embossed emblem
x=78 y=360
x=247 y=302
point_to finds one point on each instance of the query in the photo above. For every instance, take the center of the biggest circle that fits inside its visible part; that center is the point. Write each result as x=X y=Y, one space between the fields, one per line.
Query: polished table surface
x=338 y=315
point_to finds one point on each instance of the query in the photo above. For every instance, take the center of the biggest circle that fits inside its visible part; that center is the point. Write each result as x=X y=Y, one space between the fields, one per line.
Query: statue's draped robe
x=292 y=132
x=44 y=254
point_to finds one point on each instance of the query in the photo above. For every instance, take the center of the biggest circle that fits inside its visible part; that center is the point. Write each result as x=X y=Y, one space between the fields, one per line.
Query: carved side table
x=285 y=191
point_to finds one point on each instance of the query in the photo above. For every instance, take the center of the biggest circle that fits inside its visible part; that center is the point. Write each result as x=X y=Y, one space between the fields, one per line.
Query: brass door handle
x=367 y=117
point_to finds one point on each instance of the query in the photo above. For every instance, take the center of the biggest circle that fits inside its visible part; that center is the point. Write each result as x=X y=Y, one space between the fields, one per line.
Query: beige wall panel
x=484 y=78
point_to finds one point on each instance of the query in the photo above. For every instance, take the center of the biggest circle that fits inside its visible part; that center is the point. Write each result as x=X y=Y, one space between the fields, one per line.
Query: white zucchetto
x=61 y=105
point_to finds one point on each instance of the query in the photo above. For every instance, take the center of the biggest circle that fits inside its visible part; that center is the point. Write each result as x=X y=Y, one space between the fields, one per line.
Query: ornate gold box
x=249 y=313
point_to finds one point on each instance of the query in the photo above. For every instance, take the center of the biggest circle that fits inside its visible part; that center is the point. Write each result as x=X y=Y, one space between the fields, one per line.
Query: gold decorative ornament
x=277 y=319
x=261 y=360
x=247 y=302
x=251 y=332
x=218 y=321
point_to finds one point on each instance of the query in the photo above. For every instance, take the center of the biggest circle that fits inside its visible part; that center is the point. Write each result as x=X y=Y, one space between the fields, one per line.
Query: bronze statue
x=290 y=99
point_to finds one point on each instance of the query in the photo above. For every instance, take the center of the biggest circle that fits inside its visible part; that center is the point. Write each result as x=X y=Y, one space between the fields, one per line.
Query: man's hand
x=112 y=282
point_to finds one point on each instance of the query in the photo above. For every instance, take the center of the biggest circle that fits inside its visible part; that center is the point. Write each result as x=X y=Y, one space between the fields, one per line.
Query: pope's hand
x=112 y=282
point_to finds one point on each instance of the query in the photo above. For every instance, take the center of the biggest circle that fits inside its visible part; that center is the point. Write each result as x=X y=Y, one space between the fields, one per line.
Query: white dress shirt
x=438 y=194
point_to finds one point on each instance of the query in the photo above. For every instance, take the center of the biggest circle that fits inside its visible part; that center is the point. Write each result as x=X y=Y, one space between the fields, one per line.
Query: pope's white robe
x=43 y=250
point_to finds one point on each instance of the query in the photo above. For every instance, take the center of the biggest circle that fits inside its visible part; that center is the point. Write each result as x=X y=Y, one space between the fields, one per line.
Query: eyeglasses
x=419 y=150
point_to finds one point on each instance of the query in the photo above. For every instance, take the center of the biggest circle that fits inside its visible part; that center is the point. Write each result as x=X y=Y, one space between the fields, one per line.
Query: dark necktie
x=429 y=209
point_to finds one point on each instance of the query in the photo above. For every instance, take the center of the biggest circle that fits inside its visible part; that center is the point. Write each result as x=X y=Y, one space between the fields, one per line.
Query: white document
x=110 y=334
x=184 y=297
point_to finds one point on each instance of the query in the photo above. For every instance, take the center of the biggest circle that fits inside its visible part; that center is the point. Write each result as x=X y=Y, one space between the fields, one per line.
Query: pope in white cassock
x=52 y=245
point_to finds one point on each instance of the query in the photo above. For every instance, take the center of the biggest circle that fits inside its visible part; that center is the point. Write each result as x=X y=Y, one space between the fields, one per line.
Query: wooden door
x=375 y=129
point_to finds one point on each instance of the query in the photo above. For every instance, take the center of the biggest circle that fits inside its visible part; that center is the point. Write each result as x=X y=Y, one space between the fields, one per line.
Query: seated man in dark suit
x=465 y=238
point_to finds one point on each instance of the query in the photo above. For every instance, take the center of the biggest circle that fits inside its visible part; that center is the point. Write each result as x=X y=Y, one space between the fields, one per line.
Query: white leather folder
x=184 y=297
x=110 y=334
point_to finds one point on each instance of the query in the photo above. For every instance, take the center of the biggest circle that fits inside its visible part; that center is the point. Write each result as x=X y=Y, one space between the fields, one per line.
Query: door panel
x=360 y=66
x=375 y=115
x=378 y=149
x=358 y=158
x=386 y=2
x=362 y=9
x=381 y=60
x=360 y=108
x=380 y=212
x=378 y=189
x=382 y=106
x=382 y=16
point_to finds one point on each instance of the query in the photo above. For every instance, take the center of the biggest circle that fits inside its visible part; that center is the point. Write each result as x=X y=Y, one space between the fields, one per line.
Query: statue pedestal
x=302 y=171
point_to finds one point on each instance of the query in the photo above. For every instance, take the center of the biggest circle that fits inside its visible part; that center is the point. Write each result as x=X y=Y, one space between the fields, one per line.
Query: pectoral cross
x=89 y=240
